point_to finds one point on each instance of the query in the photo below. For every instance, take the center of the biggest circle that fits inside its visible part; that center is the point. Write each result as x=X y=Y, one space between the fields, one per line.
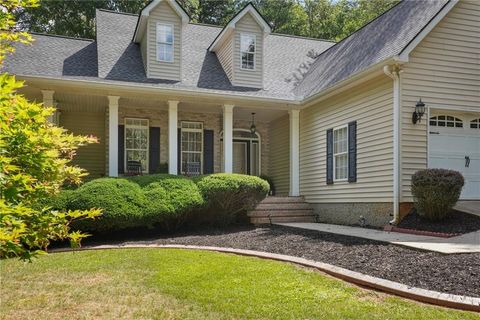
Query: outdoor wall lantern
x=253 y=128
x=419 y=111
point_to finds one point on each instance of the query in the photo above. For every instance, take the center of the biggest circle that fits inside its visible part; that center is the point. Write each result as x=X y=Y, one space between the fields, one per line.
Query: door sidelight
x=467 y=161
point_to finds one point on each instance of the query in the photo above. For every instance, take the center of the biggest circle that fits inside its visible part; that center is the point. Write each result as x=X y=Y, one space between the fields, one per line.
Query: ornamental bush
x=172 y=200
x=435 y=192
x=228 y=195
x=123 y=204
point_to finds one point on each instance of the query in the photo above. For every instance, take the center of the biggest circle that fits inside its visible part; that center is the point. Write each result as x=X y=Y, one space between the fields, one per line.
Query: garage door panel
x=448 y=148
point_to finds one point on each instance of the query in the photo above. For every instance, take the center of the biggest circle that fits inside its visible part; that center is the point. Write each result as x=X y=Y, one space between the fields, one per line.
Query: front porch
x=181 y=137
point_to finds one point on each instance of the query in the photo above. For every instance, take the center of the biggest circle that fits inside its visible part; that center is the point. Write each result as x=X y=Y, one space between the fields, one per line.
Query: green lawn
x=181 y=284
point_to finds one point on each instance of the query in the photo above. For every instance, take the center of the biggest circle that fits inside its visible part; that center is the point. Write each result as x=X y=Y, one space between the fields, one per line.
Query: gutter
x=394 y=73
x=105 y=85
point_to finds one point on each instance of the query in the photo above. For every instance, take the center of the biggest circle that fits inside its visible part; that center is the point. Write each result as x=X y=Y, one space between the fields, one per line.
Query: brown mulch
x=455 y=273
x=456 y=222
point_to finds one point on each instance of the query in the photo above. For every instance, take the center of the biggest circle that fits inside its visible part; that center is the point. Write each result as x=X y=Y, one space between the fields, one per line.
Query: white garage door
x=454 y=143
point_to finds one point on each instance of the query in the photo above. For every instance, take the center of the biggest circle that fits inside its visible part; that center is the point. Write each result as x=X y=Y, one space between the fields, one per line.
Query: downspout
x=394 y=73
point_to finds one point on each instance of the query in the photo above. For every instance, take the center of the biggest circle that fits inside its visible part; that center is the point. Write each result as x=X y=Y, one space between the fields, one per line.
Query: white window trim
x=181 y=143
x=158 y=42
x=340 y=153
x=125 y=142
x=254 y=52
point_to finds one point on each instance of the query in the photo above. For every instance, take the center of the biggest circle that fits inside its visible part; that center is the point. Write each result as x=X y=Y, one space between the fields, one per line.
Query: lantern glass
x=420 y=108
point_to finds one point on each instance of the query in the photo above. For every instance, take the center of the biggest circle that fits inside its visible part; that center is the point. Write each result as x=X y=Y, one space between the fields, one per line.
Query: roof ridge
x=300 y=37
x=61 y=36
x=205 y=24
x=118 y=12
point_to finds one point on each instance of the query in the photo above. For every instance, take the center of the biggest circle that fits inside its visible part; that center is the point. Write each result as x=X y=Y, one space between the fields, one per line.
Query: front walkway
x=468 y=206
x=467 y=243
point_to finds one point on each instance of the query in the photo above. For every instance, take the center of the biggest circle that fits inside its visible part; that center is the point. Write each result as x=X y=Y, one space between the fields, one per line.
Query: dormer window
x=247 y=51
x=164 y=42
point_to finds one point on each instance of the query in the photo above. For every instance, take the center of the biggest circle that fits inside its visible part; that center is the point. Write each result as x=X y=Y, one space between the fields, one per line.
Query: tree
x=74 y=18
x=286 y=16
x=35 y=161
x=326 y=19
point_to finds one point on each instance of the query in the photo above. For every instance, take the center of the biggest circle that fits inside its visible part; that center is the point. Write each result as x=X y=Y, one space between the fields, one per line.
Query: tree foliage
x=34 y=162
x=326 y=19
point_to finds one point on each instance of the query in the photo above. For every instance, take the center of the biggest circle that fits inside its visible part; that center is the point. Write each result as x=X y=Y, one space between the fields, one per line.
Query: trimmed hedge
x=162 y=200
x=435 y=192
x=123 y=203
x=228 y=195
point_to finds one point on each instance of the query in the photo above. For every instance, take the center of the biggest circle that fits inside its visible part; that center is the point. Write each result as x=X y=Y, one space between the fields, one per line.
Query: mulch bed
x=456 y=223
x=455 y=274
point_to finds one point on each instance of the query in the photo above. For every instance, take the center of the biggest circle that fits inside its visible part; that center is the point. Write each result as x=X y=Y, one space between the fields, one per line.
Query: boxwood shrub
x=228 y=195
x=435 y=192
x=162 y=200
x=123 y=203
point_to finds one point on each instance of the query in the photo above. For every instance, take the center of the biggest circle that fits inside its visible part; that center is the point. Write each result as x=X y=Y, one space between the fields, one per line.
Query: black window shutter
x=330 y=156
x=179 y=151
x=352 y=151
x=154 y=152
x=207 y=151
x=121 y=148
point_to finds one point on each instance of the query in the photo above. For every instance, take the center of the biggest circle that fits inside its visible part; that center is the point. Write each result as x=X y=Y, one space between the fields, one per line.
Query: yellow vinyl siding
x=444 y=70
x=90 y=157
x=225 y=56
x=163 y=13
x=371 y=105
x=248 y=78
x=279 y=169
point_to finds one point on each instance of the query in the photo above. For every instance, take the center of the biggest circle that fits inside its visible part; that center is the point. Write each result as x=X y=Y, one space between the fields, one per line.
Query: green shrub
x=435 y=192
x=173 y=200
x=144 y=181
x=227 y=195
x=123 y=204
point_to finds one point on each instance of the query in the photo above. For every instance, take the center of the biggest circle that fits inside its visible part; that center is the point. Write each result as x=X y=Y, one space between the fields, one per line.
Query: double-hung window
x=340 y=153
x=192 y=147
x=247 y=51
x=136 y=141
x=165 y=42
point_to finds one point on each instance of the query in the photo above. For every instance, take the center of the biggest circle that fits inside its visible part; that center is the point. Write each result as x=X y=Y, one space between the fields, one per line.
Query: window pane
x=164 y=33
x=247 y=43
x=164 y=52
x=341 y=166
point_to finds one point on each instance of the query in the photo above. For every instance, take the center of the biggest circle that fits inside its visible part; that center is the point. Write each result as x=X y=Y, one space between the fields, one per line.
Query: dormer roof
x=227 y=30
x=145 y=12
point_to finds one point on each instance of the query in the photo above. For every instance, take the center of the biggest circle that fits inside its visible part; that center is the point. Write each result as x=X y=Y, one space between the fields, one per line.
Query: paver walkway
x=468 y=206
x=467 y=243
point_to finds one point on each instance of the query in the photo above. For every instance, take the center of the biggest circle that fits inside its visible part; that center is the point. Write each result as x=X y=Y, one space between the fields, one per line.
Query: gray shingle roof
x=291 y=72
x=383 y=38
x=54 y=56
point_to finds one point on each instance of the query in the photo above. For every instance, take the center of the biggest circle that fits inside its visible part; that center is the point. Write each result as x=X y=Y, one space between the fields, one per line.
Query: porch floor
x=467 y=243
x=468 y=206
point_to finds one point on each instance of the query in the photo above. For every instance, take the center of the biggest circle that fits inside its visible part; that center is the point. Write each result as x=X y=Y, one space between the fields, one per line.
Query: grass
x=183 y=284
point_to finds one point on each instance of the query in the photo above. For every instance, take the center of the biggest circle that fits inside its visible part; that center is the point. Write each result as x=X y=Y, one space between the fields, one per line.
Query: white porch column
x=172 y=137
x=228 y=138
x=113 y=136
x=294 y=153
x=49 y=102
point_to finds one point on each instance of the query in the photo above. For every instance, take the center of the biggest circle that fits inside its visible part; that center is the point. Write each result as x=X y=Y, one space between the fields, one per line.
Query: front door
x=240 y=157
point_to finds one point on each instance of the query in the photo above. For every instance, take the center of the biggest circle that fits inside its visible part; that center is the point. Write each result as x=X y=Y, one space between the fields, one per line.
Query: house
x=343 y=124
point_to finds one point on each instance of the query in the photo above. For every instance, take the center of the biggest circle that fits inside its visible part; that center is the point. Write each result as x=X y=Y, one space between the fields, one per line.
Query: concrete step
x=280 y=213
x=283 y=206
x=309 y=218
x=282 y=199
